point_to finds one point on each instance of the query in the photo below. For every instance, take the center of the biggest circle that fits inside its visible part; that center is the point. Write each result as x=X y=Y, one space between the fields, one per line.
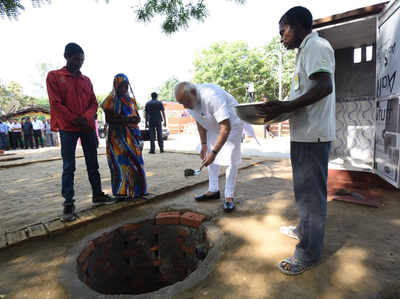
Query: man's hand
x=165 y=124
x=203 y=151
x=271 y=110
x=83 y=124
x=80 y=121
x=208 y=160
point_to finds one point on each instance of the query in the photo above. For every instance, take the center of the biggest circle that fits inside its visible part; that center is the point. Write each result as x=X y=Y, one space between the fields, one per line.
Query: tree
x=12 y=97
x=166 y=90
x=233 y=65
x=177 y=13
x=43 y=69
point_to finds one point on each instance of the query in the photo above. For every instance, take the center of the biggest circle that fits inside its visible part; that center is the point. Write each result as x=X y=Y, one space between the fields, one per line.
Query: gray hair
x=187 y=87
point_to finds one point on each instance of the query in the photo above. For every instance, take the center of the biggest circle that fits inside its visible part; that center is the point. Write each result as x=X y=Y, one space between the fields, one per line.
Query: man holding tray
x=312 y=129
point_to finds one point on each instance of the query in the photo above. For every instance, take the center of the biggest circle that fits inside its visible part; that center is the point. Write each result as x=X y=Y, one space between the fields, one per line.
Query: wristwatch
x=215 y=152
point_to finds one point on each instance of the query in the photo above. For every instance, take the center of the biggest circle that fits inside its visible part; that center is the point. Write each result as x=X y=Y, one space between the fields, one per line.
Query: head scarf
x=118 y=80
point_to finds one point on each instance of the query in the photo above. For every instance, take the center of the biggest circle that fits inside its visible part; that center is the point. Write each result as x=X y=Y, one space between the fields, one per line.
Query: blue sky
x=114 y=42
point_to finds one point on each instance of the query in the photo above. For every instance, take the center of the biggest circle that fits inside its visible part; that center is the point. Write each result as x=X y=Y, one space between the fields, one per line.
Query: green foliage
x=12 y=8
x=12 y=97
x=177 y=13
x=166 y=90
x=233 y=65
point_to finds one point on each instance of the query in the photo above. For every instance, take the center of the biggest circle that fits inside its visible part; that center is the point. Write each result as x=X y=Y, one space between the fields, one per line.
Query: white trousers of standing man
x=231 y=175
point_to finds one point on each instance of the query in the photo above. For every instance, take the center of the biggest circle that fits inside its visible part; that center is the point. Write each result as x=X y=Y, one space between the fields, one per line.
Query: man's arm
x=146 y=117
x=92 y=109
x=164 y=118
x=57 y=107
x=203 y=140
x=224 y=131
x=322 y=87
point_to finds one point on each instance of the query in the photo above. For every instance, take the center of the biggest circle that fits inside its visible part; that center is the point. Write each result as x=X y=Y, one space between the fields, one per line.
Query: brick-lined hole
x=141 y=257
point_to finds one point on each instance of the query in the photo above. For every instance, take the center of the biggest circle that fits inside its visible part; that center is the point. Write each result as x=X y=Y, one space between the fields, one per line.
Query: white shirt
x=215 y=106
x=316 y=122
x=37 y=124
x=16 y=127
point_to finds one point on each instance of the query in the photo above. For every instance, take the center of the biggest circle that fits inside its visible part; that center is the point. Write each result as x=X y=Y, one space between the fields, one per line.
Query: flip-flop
x=289 y=231
x=296 y=267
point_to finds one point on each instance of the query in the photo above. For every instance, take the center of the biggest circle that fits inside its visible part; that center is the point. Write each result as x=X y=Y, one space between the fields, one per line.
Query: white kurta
x=215 y=106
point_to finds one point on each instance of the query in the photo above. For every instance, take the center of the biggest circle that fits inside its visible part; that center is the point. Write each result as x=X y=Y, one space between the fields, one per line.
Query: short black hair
x=154 y=95
x=298 y=15
x=71 y=49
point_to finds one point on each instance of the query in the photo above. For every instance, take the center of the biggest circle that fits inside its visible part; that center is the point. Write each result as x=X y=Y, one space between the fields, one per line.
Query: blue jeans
x=310 y=173
x=68 y=147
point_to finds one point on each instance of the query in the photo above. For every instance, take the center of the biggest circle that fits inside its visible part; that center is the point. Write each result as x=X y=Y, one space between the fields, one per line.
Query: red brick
x=102 y=239
x=157 y=263
x=192 y=219
x=155 y=248
x=85 y=266
x=187 y=249
x=183 y=231
x=131 y=227
x=168 y=218
x=128 y=253
x=180 y=240
x=86 y=252
x=156 y=230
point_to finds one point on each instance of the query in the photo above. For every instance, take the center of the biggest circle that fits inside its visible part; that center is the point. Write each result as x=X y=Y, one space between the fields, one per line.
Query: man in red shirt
x=73 y=106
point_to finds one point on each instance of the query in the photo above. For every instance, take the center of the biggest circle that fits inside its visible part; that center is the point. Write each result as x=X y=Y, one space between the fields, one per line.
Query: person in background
x=124 y=155
x=73 y=105
x=37 y=131
x=4 y=135
x=27 y=128
x=48 y=133
x=16 y=135
x=155 y=116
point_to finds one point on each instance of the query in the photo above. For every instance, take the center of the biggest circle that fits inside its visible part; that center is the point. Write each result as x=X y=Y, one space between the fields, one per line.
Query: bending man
x=220 y=131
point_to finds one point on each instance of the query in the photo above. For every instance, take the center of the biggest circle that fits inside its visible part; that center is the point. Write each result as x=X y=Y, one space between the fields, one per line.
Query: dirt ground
x=361 y=254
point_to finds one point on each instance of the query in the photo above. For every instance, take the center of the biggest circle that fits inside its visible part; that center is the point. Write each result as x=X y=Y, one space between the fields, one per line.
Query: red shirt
x=70 y=97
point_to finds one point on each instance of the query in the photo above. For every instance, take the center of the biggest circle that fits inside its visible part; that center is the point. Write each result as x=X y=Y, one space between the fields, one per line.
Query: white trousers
x=230 y=183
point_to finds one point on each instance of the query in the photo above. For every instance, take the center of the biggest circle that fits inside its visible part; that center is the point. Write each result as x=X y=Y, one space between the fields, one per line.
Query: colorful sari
x=124 y=156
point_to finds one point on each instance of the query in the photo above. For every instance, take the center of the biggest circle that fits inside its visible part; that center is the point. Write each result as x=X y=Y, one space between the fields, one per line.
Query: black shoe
x=102 y=199
x=204 y=197
x=229 y=206
x=150 y=152
x=161 y=151
x=68 y=213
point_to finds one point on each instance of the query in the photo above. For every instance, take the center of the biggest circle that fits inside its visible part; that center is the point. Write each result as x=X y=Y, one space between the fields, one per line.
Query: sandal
x=289 y=231
x=296 y=267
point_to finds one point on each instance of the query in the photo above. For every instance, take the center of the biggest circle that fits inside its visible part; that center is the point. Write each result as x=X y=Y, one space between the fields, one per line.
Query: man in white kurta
x=220 y=131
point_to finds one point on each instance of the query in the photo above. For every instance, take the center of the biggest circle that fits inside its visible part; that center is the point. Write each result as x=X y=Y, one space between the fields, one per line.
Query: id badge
x=296 y=81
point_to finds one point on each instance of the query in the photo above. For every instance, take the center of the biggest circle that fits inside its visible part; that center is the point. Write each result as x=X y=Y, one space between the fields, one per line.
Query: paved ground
x=31 y=193
x=360 y=258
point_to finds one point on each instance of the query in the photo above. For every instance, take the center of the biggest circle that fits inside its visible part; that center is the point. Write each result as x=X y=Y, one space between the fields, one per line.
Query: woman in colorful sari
x=124 y=155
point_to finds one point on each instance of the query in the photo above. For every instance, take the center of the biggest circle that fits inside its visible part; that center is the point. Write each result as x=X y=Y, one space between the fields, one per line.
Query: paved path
x=31 y=193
